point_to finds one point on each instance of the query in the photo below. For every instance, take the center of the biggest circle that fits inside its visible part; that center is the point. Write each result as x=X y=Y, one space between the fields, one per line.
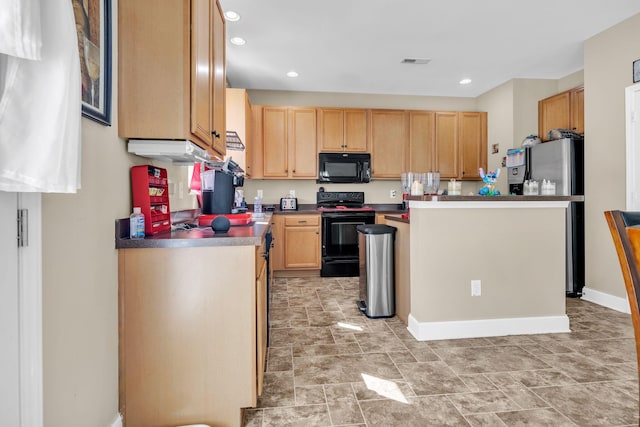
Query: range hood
x=179 y=152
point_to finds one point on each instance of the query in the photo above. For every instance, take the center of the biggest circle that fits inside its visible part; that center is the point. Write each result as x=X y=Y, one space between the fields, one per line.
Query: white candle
x=417 y=188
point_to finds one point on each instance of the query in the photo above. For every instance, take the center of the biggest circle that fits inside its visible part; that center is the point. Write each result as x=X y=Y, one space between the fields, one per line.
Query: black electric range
x=341 y=213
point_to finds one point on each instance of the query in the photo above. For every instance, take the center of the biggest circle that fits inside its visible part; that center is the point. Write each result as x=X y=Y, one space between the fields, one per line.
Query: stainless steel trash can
x=377 y=278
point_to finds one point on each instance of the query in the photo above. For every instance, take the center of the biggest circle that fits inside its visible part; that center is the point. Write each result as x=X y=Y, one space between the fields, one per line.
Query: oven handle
x=367 y=214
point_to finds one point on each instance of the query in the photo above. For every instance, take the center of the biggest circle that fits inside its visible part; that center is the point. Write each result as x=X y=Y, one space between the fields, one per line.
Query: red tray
x=234 y=219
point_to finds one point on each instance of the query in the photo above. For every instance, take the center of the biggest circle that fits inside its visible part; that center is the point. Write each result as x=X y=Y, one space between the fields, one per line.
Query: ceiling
x=357 y=46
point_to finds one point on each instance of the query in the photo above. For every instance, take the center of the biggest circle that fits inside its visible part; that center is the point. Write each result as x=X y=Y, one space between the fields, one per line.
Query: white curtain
x=40 y=97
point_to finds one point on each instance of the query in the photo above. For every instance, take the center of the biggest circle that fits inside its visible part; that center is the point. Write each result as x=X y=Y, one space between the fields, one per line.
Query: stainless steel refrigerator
x=562 y=161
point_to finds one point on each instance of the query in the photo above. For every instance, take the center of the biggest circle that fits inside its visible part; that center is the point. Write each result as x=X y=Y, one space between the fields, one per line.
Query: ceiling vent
x=416 y=61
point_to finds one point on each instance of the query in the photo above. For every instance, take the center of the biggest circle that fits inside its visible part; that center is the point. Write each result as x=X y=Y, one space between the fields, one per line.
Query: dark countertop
x=397 y=218
x=238 y=235
x=509 y=198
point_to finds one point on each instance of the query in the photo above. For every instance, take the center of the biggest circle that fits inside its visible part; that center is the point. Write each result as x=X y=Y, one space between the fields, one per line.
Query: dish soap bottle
x=136 y=224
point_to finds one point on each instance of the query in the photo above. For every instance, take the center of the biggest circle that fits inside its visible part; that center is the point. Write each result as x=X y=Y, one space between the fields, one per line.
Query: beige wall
x=607 y=58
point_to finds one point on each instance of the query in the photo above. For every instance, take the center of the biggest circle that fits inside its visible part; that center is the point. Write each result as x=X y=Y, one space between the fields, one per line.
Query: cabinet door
x=472 y=142
x=421 y=141
x=219 y=128
x=388 y=141
x=201 y=70
x=577 y=110
x=554 y=112
x=302 y=143
x=276 y=256
x=261 y=326
x=302 y=250
x=446 y=140
x=274 y=139
x=330 y=129
x=355 y=130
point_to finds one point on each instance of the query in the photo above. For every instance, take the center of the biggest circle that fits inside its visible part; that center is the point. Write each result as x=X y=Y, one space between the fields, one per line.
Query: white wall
x=608 y=59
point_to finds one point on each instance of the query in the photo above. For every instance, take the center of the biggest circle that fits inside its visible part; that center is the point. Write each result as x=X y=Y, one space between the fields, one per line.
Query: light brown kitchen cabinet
x=342 y=129
x=302 y=242
x=472 y=140
x=261 y=318
x=171 y=72
x=564 y=110
x=187 y=334
x=276 y=257
x=289 y=142
x=422 y=141
x=446 y=144
x=240 y=120
x=388 y=137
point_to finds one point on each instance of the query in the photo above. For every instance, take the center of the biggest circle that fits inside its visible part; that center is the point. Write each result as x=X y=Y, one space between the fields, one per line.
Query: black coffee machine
x=219 y=186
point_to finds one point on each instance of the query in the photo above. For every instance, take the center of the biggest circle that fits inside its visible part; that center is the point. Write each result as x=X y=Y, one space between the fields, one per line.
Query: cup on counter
x=454 y=188
x=548 y=188
x=531 y=188
x=432 y=183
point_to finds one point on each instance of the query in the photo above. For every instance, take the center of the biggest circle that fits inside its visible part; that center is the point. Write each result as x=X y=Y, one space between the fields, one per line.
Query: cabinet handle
x=301 y=221
x=294 y=171
x=216 y=134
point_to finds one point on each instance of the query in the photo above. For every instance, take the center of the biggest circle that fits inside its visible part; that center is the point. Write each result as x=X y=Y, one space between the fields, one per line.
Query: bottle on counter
x=257 y=204
x=136 y=224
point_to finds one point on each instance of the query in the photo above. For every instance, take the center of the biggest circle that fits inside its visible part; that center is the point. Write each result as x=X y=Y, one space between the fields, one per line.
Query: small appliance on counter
x=289 y=203
x=218 y=186
x=518 y=169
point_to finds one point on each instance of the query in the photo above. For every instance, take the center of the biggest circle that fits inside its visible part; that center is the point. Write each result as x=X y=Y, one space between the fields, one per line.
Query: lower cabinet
x=261 y=318
x=302 y=242
x=296 y=242
x=189 y=340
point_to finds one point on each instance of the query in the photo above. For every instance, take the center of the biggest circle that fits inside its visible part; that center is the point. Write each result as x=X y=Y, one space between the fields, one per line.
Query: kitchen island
x=192 y=324
x=509 y=251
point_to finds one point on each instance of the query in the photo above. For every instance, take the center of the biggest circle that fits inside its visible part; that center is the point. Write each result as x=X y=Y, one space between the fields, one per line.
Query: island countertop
x=505 y=198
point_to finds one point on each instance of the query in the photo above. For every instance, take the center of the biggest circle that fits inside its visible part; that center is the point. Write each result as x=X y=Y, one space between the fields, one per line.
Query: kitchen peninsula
x=192 y=323
x=509 y=251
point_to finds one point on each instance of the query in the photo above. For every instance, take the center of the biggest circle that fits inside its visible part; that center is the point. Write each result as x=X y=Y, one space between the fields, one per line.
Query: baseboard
x=606 y=300
x=424 y=331
x=117 y=421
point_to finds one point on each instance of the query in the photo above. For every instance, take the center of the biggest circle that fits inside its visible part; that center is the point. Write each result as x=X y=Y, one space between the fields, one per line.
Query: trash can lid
x=376 y=229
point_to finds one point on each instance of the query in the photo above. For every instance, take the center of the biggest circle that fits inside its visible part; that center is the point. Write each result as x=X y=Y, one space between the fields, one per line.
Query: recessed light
x=231 y=15
x=238 y=41
x=292 y=74
x=465 y=81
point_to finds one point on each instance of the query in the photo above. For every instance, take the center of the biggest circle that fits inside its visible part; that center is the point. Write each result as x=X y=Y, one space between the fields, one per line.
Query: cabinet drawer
x=301 y=220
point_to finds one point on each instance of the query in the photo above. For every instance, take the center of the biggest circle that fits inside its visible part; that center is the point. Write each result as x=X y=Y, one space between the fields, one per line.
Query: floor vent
x=416 y=61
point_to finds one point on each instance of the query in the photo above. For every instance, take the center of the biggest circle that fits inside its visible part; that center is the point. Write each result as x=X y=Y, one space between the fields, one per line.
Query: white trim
x=490 y=204
x=424 y=331
x=30 y=301
x=632 y=119
x=606 y=300
x=117 y=421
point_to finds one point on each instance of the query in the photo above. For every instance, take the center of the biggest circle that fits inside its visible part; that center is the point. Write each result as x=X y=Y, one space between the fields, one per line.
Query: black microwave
x=344 y=167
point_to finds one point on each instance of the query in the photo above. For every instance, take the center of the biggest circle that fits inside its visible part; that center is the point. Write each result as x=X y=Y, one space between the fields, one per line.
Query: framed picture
x=636 y=71
x=93 y=25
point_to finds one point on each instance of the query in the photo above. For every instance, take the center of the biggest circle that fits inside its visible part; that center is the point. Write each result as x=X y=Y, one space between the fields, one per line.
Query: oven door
x=340 y=242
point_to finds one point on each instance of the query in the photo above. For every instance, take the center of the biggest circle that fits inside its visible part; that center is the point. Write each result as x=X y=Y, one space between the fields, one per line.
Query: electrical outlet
x=392 y=194
x=476 y=288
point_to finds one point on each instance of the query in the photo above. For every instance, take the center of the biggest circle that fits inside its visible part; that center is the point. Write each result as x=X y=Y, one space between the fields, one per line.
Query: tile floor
x=328 y=365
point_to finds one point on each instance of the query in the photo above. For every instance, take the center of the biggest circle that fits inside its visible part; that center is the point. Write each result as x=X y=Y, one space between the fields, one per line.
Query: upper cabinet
x=563 y=111
x=388 y=138
x=460 y=144
x=422 y=141
x=239 y=118
x=446 y=144
x=171 y=72
x=472 y=134
x=289 y=148
x=342 y=129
